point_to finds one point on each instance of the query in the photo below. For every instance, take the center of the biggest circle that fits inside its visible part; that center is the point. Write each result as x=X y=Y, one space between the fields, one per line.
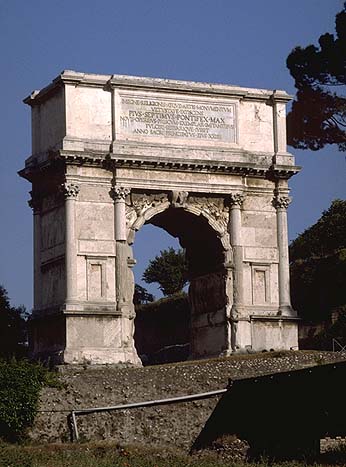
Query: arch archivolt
x=140 y=208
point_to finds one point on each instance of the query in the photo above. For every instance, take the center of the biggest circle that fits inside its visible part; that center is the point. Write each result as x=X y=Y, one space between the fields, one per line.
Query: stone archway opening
x=161 y=326
x=207 y=299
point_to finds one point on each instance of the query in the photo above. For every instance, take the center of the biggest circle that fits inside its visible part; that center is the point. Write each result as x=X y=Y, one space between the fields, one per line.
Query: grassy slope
x=109 y=455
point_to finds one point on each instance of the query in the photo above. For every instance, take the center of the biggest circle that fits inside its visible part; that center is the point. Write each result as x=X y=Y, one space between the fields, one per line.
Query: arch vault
x=208 y=163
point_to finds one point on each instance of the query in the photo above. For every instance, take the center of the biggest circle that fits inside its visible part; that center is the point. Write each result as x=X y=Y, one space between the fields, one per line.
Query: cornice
x=113 y=161
x=277 y=172
x=154 y=84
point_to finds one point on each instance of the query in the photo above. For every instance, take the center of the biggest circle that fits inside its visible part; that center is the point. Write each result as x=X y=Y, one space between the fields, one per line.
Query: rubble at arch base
x=208 y=163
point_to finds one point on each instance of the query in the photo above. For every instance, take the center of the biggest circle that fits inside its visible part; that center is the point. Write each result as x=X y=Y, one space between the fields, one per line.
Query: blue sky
x=242 y=42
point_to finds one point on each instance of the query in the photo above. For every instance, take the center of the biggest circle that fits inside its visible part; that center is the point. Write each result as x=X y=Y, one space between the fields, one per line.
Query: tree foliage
x=169 y=270
x=324 y=237
x=20 y=385
x=318 y=115
x=318 y=265
x=12 y=327
x=141 y=296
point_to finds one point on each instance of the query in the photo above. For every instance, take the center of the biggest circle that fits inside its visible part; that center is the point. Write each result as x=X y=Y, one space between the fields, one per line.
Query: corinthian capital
x=69 y=190
x=119 y=193
x=281 y=202
x=236 y=199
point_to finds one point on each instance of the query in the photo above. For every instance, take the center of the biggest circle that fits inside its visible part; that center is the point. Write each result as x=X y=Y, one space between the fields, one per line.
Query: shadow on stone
x=282 y=415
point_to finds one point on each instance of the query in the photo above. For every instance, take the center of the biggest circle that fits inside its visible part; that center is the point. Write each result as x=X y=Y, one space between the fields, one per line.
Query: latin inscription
x=168 y=118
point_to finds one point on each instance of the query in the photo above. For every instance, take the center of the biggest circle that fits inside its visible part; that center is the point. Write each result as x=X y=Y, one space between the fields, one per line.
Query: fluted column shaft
x=118 y=195
x=35 y=203
x=236 y=200
x=281 y=204
x=70 y=192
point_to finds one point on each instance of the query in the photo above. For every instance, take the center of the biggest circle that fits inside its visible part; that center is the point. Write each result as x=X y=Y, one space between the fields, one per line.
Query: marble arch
x=206 y=162
x=208 y=252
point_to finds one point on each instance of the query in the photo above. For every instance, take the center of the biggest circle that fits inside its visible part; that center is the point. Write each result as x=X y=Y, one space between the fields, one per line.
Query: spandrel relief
x=139 y=204
x=212 y=208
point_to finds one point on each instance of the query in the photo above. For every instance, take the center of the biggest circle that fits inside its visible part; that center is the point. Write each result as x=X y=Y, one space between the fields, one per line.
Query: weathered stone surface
x=178 y=424
x=208 y=163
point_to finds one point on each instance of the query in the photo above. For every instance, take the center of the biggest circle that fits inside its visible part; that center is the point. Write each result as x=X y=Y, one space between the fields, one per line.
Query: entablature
x=135 y=117
x=113 y=161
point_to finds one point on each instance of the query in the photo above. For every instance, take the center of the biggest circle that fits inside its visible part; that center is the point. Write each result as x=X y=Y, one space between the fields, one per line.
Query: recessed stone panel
x=261 y=254
x=53 y=277
x=171 y=118
x=97 y=247
x=94 y=221
x=52 y=228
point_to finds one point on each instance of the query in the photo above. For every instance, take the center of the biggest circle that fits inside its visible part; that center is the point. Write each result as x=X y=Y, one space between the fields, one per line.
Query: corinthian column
x=70 y=192
x=123 y=274
x=236 y=200
x=36 y=204
x=118 y=195
x=281 y=204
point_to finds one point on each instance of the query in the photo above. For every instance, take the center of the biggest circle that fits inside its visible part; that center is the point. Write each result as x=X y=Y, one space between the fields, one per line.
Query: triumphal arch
x=206 y=162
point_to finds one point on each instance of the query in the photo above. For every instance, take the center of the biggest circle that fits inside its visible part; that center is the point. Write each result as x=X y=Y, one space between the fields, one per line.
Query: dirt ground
x=171 y=425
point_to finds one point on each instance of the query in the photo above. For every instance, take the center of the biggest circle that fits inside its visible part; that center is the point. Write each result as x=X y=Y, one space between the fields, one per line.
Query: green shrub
x=20 y=385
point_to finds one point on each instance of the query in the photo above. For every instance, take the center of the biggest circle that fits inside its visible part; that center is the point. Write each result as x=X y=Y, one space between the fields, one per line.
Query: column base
x=100 y=356
x=98 y=339
x=79 y=338
x=263 y=333
x=287 y=310
x=240 y=334
x=274 y=332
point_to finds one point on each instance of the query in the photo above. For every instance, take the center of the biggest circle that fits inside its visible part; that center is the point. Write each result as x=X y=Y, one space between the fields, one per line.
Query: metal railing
x=137 y=405
x=337 y=347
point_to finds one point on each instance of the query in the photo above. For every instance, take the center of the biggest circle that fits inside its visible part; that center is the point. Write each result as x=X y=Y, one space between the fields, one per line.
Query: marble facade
x=206 y=162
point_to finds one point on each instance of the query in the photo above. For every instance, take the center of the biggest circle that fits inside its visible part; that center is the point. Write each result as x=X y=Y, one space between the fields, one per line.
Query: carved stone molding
x=236 y=199
x=178 y=199
x=212 y=208
x=144 y=202
x=140 y=204
x=69 y=190
x=282 y=202
x=119 y=193
x=141 y=207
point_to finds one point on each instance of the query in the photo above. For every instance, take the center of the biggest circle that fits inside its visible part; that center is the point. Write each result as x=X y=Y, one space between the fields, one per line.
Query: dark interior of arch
x=176 y=330
x=204 y=251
